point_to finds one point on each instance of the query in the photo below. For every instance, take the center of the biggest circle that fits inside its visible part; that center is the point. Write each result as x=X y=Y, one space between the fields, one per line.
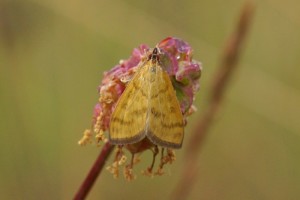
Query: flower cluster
x=184 y=72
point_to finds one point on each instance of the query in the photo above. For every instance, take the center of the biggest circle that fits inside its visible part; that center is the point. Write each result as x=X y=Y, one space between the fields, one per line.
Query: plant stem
x=228 y=64
x=94 y=172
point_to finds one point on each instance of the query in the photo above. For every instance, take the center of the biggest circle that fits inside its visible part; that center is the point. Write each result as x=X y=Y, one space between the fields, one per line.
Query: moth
x=148 y=108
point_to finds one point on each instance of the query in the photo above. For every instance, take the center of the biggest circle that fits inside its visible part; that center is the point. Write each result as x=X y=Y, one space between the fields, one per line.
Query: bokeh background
x=53 y=54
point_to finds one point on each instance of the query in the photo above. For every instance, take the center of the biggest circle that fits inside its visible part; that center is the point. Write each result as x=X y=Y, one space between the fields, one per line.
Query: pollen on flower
x=97 y=125
x=125 y=79
x=122 y=160
x=86 y=138
x=192 y=109
x=114 y=169
x=147 y=172
x=128 y=173
x=100 y=136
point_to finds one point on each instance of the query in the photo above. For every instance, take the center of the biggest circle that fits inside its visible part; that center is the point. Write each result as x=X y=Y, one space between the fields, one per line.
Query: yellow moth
x=148 y=108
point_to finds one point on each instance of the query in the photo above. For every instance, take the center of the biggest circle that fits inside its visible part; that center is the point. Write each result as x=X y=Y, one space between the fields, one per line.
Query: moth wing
x=129 y=117
x=166 y=125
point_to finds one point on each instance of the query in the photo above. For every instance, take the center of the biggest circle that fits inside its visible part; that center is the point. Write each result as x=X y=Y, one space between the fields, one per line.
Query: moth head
x=155 y=54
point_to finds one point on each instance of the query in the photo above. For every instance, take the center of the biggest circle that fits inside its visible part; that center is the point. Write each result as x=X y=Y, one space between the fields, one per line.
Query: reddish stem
x=94 y=172
x=228 y=64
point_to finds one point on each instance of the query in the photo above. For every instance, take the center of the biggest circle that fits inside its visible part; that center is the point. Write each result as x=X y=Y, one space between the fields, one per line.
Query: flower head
x=184 y=72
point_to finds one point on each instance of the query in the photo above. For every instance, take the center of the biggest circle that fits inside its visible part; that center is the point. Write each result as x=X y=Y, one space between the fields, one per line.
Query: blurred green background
x=53 y=54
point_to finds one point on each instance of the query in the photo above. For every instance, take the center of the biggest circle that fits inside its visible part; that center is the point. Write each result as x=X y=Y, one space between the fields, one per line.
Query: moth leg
x=128 y=169
x=119 y=153
x=131 y=161
x=169 y=158
x=162 y=163
x=148 y=171
x=155 y=152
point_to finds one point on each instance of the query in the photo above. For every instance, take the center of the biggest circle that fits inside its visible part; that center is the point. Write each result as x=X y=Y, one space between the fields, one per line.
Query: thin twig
x=228 y=64
x=94 y=172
